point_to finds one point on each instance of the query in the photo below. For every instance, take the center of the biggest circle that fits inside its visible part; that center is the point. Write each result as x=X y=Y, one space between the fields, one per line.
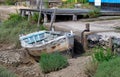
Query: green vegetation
x=52 y=62
x=34 y=18
x=46 y=3
x=14 y=26
x=10 y=2
x=94 y=13
x=82 y=1
x=5 y=73
x=109 y=68
x=67 y=5
x=100 y=56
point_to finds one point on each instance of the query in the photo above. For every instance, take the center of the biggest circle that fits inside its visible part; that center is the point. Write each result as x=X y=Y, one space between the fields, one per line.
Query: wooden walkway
x=72 y=12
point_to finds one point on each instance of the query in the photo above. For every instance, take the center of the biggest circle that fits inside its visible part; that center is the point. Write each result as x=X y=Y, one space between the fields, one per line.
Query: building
x=107 y=4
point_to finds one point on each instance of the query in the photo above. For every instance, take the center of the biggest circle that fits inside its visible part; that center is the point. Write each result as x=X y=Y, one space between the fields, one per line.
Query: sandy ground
x=6 y=10
x=78 y=26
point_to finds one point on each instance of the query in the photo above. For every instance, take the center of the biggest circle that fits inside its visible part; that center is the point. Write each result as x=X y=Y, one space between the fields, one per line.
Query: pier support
x=45 y=18
x=22 y=12
x=74 y=17
x=29 y=15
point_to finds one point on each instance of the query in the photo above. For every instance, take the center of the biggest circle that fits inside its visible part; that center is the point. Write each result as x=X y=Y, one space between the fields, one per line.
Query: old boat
x=47 y=41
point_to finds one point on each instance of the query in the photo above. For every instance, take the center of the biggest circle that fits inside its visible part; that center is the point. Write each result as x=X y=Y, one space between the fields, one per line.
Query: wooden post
x=84 y=37
x=23 y=13
x=74 y=17
x=29 y=14
x=87 y=27
x=45 y=18
x=52 y=18
x=85 y=45
x=110 y=43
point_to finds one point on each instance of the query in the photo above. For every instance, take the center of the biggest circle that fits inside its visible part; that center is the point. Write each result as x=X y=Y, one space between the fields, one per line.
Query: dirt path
x=75 y=69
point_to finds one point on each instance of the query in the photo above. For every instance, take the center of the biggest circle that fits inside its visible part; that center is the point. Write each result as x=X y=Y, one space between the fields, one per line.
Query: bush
x=94 y=13
x=101 y=54
x=52 y=62
x=5 y=73
x=109 y=69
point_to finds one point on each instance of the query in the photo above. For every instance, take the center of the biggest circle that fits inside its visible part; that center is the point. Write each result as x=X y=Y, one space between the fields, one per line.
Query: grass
x=100 y=54
x=83 y=1
x=67 y=5
x=52 y=62
x=10 y=2
x=94 y=13
x=109 y=69
x=6 y=73
x=14 y=26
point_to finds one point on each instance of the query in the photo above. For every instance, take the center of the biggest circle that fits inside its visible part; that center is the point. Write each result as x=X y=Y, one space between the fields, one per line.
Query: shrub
x=5 y=73
x=94 y=13
x=101 y=54
x=109 y=69
x=52 y=62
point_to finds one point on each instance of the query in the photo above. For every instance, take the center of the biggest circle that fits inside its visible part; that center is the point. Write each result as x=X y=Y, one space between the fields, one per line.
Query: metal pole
x=40 y=9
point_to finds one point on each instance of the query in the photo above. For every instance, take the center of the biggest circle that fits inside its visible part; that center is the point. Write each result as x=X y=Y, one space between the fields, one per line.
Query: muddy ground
x=21 y=63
